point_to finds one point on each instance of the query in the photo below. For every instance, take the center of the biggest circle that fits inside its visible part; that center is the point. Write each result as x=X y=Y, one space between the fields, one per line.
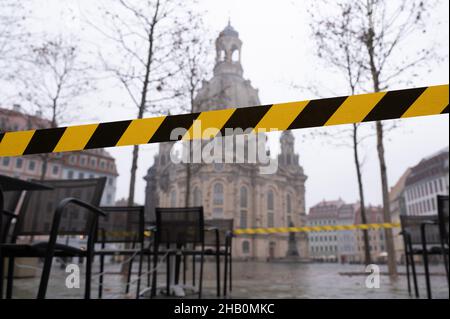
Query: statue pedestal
x=292 y=255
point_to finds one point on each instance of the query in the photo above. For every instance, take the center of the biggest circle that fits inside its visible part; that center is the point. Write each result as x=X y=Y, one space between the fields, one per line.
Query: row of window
x=30 y=165
x=324 y=249
x=334 y=249
x=83 y=160
x=322 y=222
x=82 y=175
x=218 y=202
x=425 y=189
x=323 y=238
x=424 y=206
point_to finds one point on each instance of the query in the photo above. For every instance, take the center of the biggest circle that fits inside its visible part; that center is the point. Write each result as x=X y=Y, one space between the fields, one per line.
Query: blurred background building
x=71 y=165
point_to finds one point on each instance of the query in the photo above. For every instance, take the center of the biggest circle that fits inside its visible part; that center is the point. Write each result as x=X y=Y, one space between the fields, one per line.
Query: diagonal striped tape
x=306 y=229
x=422 y=101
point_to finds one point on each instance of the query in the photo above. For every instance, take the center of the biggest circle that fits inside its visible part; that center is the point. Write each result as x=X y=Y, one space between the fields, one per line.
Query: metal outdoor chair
x=218 y=235
x=421 y=237
x=8 y=204
x=180 y=230
x=122 y=226
x=70 y=208
x=443 y=217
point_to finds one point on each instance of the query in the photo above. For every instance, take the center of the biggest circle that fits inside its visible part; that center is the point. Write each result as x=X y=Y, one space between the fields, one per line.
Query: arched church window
x=245 y=247
x=173 y=198
x=288 y=209
x=270 y=209
x=222 y=55
x=197 y=194
x=217 y=200
x=244 y=207
x=235 y=55
x=244 y=197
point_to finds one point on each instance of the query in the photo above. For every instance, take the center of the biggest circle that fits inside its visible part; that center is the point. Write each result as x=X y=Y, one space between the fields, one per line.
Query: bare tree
x=335 y=45
x=193 y=64
x=52 y=76
x=146 y=35
x=12 y=31
x=380 y=30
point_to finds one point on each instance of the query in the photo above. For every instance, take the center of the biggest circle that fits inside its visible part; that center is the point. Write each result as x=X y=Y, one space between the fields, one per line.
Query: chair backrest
x=225 y=226
x=184 y=225
x=11 y=200
x=412 y=224
x=38 y=208
x=122 y=224
x=442 y=204
x=8 y=203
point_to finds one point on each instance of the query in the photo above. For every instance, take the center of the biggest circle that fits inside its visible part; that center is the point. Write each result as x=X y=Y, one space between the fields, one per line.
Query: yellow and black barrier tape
x=396 y=104
x=306 y=229
x=274 y=230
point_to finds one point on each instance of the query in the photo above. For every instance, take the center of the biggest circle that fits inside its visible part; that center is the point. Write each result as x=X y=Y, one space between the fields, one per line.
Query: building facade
x=427 y=179
x=27 y=167
x=377 y=244
x=347 y=239
x=235 y=190
x=323 y=245
x=92 y=164
x=344 y=246
x=71 y=165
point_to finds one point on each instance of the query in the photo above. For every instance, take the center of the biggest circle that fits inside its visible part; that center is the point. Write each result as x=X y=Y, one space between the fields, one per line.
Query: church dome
x=227 y=87
x=229 y=31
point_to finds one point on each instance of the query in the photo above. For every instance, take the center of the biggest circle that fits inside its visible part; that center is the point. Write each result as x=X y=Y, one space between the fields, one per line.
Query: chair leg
x=45 y=276
x=177 y=267
x=225 y=273
x=413 y=268
x=427 y=273
x=139 y=274
x=10 y=278
x=231 y=271
x=425 y=259
x=445 y=257
x=193 y=268
x=184 y=269
x=130 y=270
x=100 y=279
x=407 y=274
x=218 y=272
x=168 y=275
x=154 y=272
x=148 y=268
x=201 y=274
x=87 y=289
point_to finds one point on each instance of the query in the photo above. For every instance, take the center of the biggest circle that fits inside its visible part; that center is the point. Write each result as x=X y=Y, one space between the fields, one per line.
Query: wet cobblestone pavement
x=261 y=280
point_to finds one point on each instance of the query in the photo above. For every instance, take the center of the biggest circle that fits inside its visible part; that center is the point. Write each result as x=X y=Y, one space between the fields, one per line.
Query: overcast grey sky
x=277 y=51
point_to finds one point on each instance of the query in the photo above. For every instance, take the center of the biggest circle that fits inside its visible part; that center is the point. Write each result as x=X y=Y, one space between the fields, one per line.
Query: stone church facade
x=235 y=190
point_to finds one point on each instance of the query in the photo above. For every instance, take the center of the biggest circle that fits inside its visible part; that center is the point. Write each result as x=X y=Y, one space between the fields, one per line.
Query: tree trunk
x=188 y=181
x=392 y=263
x=44 y=166
x=188 y=164
x=375 y=74
x=367 y=257
x=133 y=170
x=142 y=104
